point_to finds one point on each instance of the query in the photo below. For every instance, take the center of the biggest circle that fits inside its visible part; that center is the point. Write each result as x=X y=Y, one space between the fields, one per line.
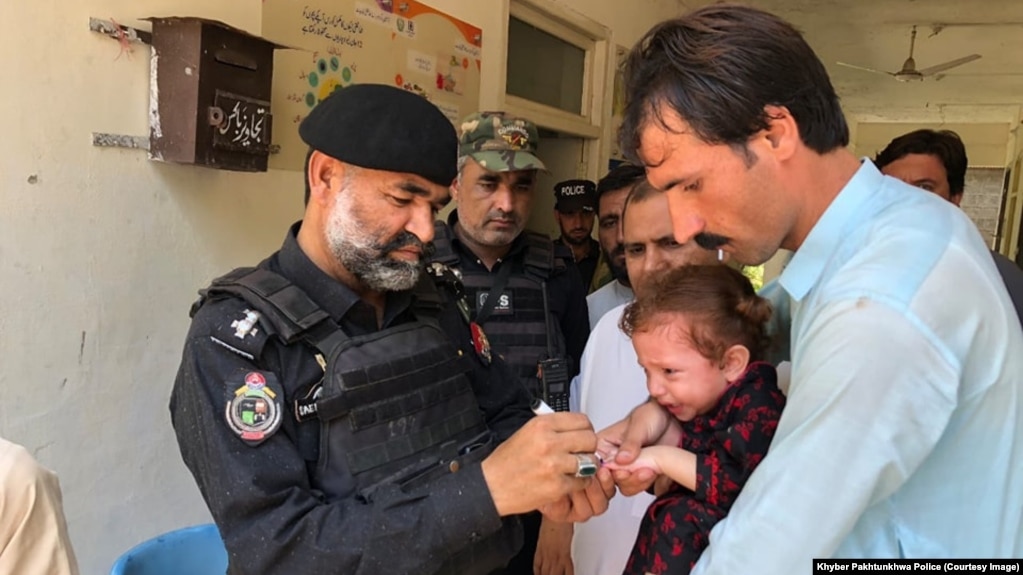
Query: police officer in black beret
x=339 y=412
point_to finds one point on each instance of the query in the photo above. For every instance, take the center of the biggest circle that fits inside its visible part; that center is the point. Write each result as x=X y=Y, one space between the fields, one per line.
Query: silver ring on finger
x=586 y=465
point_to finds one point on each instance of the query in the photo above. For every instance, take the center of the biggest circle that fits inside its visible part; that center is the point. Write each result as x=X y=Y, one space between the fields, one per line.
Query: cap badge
x=516 y=136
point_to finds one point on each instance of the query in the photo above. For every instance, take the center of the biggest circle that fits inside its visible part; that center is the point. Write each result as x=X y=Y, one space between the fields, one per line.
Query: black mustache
x=710 y=241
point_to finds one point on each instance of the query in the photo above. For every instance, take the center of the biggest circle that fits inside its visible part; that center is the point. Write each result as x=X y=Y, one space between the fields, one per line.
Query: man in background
x=575 y=206
x=935 y=161
x=612 y=190
x=524 y=290
x=539 y=296
x=610 y=382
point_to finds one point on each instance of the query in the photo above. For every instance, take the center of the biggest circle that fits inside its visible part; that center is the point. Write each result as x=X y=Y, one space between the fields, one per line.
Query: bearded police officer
x=338 y=412
x=523 y=289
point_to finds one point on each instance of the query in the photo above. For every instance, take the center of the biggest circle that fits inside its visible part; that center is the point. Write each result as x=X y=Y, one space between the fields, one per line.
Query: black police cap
x=385 y=128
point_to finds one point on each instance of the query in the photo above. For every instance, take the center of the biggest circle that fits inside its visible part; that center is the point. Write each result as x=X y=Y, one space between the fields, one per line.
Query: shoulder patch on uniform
x=253 y=411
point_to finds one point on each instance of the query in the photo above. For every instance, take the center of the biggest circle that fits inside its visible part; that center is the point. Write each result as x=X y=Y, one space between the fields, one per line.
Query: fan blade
x=865 y=69
x=947 y=65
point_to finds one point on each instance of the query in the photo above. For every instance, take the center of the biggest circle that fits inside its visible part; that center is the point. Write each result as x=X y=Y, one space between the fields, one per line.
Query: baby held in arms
x=700 y=335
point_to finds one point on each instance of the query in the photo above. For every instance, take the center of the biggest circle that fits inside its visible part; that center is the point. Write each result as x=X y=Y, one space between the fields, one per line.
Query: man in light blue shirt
x=903 y=432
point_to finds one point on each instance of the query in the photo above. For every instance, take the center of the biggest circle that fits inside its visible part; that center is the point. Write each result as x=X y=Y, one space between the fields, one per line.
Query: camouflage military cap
x=499 y=142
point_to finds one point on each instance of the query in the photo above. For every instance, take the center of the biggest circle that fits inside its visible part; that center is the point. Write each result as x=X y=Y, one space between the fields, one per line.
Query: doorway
x=564 y=156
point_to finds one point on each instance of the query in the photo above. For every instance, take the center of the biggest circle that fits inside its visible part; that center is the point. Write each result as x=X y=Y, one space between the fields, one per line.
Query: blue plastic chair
x=197 y=550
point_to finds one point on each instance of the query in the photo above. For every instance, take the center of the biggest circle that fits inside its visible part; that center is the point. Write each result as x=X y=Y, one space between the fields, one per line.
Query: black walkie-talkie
x=553 y=371
x=554 y=382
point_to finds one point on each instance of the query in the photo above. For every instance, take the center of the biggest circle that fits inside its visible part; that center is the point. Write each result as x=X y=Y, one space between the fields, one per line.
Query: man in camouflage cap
x=536 y=297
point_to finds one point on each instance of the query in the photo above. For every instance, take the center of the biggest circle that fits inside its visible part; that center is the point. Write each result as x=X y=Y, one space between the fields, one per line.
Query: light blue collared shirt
x=903 y=431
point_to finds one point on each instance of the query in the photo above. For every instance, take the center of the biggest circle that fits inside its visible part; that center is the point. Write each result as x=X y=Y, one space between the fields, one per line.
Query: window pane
x=544 y=68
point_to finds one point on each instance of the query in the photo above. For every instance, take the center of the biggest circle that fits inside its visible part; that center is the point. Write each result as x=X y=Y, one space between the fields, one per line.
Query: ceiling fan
x=909 y=73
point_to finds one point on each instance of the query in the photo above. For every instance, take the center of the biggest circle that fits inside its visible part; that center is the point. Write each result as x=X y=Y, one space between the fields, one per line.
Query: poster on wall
x=338 y=43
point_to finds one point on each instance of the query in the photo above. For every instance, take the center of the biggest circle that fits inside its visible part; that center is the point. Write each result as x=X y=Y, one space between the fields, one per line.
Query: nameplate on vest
x=307 y=408
x=504 y=303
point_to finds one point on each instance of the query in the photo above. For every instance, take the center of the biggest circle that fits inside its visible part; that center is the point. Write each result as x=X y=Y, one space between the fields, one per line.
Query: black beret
x=386 y=128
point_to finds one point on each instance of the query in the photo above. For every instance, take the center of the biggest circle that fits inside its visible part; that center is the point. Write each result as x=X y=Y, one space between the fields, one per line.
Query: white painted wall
x=102 y=251
x=101 y=258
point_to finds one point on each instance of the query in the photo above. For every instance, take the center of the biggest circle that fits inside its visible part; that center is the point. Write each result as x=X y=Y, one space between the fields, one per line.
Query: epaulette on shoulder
x=267 y=305
x=237 y=326
x=280 y=302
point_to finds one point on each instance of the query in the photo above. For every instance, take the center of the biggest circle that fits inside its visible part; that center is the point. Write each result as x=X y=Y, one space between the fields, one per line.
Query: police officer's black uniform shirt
x=588 y=265
x=270 y=517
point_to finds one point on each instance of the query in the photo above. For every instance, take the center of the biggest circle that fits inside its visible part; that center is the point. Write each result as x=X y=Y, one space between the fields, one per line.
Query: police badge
x=254 y=413
x=480 y=342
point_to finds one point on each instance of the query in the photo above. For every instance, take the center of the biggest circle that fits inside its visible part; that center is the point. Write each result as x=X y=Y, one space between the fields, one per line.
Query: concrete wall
x=983 y=198
x=102 y=252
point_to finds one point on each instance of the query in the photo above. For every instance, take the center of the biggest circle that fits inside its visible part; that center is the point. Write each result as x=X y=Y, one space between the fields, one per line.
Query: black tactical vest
x=521 y=336
x=395 y=407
